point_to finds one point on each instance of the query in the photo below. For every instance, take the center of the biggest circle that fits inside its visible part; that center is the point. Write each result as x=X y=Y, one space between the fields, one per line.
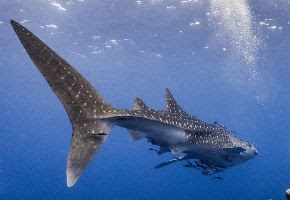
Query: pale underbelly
x=160 y=133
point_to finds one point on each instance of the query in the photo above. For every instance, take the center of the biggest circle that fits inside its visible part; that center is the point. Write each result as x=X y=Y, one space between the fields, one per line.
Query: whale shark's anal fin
x=85 y=107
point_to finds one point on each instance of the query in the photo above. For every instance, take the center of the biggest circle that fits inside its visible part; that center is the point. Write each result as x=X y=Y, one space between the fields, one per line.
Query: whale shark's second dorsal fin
x=139 y=105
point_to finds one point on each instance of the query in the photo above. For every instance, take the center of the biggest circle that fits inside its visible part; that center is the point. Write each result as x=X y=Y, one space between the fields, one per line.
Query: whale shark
x=208 y=147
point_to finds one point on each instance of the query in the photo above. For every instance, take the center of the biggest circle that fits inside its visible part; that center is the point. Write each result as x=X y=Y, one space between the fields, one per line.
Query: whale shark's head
x=248 y=150
x=239 y=153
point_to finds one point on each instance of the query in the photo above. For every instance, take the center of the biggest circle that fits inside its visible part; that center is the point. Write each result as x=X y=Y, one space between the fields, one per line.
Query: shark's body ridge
x=92 y=119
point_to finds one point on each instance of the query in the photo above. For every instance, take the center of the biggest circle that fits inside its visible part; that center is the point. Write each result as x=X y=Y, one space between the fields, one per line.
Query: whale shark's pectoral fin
x=139 y=105
x=162 y=149
x=166 y=163
x=172 y=161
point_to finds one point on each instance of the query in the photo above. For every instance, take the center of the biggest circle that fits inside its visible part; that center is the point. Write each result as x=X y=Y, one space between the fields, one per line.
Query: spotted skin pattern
x=92 y=119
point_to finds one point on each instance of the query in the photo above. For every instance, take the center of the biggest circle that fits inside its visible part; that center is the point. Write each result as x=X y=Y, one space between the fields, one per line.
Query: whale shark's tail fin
x=85 y=107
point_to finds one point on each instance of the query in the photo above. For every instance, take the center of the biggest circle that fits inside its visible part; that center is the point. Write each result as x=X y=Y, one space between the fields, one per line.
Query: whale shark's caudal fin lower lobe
x=85 y=107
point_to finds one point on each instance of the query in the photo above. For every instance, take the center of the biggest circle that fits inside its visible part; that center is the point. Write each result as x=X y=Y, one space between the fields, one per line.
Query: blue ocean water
x=225 y=61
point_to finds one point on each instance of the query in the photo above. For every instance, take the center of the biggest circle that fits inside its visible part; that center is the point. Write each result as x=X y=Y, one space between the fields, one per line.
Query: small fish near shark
x=212 y=147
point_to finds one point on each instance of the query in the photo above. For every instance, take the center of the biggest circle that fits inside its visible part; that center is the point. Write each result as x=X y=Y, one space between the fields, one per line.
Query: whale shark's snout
x=250 y=150
x=255 y=150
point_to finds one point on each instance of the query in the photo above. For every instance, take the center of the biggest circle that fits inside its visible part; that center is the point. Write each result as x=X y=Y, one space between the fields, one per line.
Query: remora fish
x=92 y=119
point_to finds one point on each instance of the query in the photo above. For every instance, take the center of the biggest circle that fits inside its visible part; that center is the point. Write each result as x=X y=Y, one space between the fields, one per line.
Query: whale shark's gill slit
x=84 y=106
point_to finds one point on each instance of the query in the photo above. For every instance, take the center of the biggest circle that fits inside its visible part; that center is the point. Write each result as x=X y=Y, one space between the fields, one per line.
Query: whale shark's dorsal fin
x=82 y=102
x=174 y=108
x=172 y=105
x=139 y=104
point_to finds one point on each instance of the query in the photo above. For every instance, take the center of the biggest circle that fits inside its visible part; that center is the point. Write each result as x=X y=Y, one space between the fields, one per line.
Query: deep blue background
x=205 y=65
